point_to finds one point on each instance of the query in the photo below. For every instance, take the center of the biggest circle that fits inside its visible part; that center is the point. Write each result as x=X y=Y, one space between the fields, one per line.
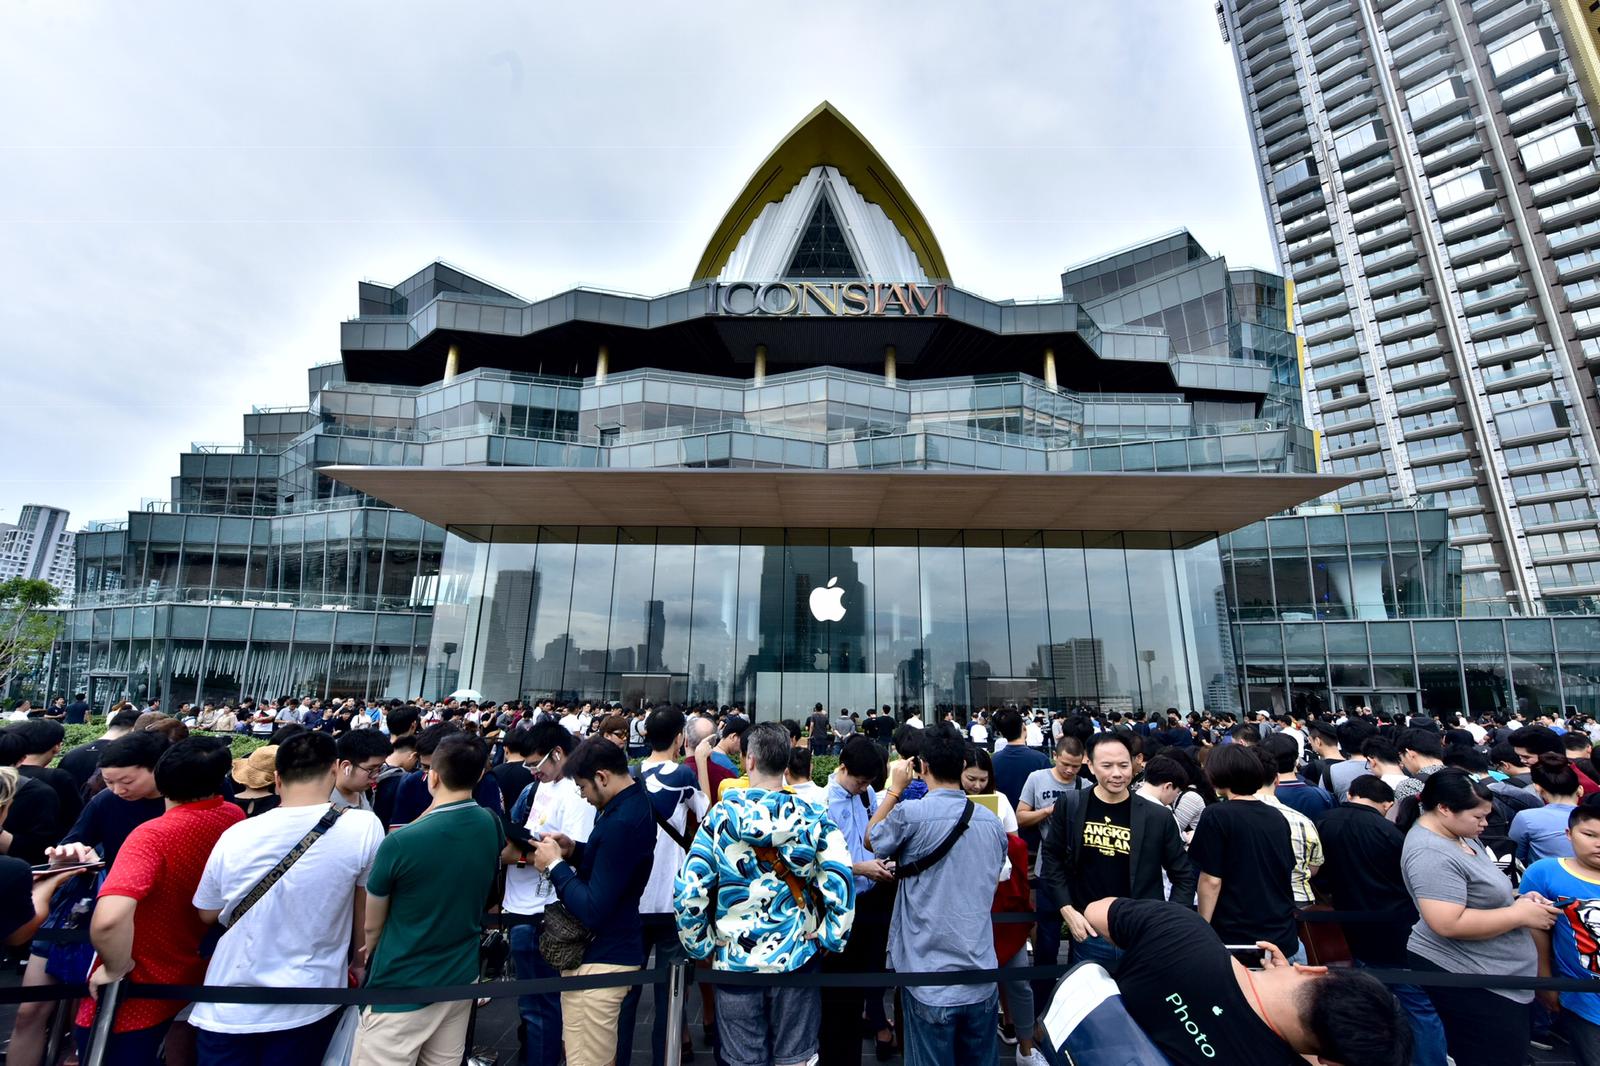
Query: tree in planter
x=27 y=627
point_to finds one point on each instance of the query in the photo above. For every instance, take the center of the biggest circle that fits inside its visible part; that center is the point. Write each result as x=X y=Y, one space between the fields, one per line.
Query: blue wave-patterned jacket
x=733 y=909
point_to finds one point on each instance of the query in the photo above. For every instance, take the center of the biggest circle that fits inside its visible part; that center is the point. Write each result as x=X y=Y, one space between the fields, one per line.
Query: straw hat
x=257 y=770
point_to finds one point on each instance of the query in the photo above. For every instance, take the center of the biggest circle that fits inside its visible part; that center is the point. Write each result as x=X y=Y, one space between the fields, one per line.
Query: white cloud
x=191 y=191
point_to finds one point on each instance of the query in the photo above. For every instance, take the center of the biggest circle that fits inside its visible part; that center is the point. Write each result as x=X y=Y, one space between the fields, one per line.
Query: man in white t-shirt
x=303 y=931
x=552 y=804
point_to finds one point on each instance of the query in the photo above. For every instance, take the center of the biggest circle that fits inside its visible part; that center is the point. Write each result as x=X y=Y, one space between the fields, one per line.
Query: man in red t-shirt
x=145 y=925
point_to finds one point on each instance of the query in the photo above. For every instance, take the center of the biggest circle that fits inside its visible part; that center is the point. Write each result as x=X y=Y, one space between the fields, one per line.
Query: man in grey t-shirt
x=937 y=910
x=1040 y=789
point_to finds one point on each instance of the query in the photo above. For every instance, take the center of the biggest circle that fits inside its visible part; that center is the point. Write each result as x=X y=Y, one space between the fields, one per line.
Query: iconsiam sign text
x=826 y=299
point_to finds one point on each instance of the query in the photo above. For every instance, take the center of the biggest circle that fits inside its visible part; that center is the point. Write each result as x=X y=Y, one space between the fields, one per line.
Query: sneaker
x=1543 y=1042
x=1036 y=1058
x=1008 y=1034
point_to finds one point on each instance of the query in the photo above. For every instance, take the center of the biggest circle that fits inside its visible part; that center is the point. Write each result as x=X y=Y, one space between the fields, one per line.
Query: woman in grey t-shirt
x=1471 y=922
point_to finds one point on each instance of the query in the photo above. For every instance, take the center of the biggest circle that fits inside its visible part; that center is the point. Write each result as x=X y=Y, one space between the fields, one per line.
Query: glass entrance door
x=639 y=689
x=1396 y=703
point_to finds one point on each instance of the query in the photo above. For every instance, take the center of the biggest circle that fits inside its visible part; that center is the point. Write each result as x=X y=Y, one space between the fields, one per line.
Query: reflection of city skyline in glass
x=936 y=621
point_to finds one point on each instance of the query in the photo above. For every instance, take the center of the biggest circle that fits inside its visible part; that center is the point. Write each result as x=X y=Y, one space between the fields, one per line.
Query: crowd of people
x=425 y=844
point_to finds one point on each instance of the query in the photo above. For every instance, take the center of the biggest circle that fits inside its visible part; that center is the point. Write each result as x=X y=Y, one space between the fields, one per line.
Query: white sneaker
x=1036 y=1058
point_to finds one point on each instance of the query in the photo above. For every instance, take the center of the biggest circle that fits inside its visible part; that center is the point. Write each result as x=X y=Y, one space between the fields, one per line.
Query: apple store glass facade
x=938 y=619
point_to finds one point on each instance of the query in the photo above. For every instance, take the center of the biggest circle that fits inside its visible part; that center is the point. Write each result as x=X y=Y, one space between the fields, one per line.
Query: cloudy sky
x=190 y=192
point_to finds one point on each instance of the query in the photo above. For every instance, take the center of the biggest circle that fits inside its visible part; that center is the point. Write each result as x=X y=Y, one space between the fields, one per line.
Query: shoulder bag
x=904 y=870
x=564 y=939
x=274 y=875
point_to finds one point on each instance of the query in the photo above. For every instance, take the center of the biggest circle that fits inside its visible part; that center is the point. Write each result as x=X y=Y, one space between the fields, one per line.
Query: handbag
x=564 y=939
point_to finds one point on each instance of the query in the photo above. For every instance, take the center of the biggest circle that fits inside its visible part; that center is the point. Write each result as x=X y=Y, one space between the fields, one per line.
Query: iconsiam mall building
x=822 y=472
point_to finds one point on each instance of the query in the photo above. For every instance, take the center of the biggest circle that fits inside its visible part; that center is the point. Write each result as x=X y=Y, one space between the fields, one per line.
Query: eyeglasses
x=552 y=755
x=617 y=735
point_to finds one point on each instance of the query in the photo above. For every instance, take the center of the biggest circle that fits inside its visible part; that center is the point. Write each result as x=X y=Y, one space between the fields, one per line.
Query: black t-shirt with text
x=1105 y=850
x=1246 y=844
x=1177 y=982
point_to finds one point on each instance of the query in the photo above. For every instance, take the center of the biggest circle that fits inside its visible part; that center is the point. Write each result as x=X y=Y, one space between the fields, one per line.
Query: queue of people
x=1181 y=857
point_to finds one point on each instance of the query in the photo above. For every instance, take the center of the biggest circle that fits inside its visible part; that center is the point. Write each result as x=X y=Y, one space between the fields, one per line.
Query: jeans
x=772 y=1026
x=938 y=1036
x=1427 y=1032
x=660 y=932
x=541 y=1013
x=1481 y=1028
x=1097 y=949
x=307 y=1044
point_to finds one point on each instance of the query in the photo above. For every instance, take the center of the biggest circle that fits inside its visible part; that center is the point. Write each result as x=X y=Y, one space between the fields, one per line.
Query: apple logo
x=827 y=603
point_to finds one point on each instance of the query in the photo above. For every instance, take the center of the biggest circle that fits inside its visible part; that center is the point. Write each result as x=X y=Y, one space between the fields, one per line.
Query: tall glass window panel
x=1077 y=659
x=672 y=602
x=633 y=602
x=1534 y=680
x=1483 y=660
x=1410 y=588
x=1113 y=621
x=1028 y=606
x=222 y=674
x=759 y=650
x=1578 y=644
x=457 y=598
x=808 y=620
x=1266 y=682
x=1307 y=660
x=897 y=617
x=1348 y=667
x=549 y=634
x=1157 y=622
x=944 y=623
x=715 y=616
x=1291 y=573
x=1252 y=575
x=583 y=676
x=1330 y=567
x=1392 y=665
x=392 y=655
x=988 y=626
x=1439 y=668
x=1371 y=580
x=854 y=681
x=502 y=611
x=1208 y=637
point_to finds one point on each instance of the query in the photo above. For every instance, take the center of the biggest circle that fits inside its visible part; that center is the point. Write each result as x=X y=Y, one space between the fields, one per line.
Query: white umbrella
x=466 y=694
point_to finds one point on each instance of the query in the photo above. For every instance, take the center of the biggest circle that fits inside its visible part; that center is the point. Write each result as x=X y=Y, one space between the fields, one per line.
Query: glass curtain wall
x=778 y=621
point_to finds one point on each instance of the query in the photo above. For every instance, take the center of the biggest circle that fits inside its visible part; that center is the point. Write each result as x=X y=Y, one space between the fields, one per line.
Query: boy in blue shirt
x=1572 y=947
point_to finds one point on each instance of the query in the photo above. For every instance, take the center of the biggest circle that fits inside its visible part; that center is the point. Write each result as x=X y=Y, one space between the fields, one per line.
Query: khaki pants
x=436 y=1035
x=589 y=1017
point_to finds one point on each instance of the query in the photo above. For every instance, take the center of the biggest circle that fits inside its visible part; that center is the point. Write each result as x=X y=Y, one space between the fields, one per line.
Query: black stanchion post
x=677 y=988
x=105 y=1017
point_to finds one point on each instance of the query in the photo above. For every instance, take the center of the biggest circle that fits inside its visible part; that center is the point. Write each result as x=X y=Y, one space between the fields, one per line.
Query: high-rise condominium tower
x=1429 y=172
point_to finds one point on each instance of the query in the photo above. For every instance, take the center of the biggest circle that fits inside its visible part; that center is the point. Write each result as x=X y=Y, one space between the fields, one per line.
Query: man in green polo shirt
x=426 y=894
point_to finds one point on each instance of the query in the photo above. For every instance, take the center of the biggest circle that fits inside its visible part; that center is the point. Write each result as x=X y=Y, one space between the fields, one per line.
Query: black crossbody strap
x=680 y=839
x=274 y=875
x=904 y=870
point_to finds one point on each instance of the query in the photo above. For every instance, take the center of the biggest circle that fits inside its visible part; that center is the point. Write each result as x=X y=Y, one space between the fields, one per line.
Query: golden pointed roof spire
x=824 y=138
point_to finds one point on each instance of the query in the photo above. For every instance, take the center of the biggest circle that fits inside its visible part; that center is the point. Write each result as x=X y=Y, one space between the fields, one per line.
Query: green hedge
x=243 y=744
